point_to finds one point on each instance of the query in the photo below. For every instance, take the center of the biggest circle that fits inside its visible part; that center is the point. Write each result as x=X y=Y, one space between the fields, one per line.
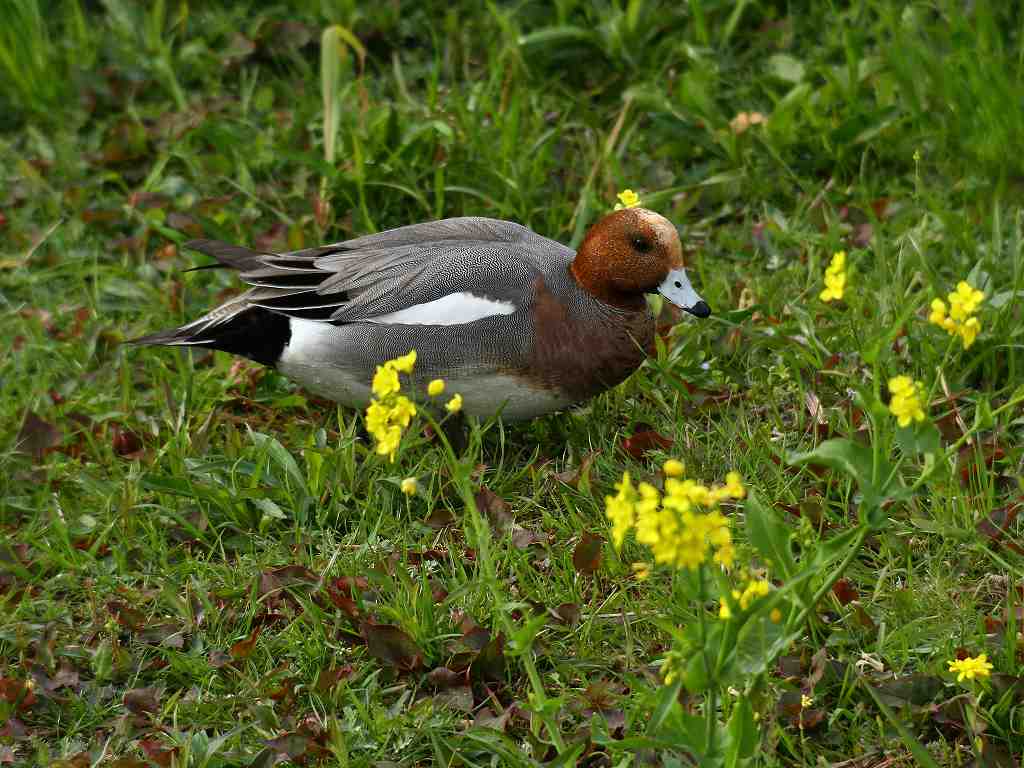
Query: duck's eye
x=642 y=244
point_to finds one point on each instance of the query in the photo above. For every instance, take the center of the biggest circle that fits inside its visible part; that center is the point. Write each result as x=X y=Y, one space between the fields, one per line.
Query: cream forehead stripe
x=663 y=229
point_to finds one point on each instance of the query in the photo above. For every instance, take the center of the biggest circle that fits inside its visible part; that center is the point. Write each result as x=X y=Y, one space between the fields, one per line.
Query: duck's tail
x=236 y=326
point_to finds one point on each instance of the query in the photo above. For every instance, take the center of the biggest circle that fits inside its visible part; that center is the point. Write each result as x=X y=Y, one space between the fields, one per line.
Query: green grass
x=144 y=524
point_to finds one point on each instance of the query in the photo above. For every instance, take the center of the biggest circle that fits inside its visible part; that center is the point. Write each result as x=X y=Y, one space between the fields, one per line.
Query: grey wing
x=375 y=275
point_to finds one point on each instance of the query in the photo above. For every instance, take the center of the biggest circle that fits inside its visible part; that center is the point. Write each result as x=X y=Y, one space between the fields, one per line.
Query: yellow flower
x=404 y=363
x=906 y=397
x=385 y=381
x=402 y=411
x=805 y=701
x=734 y=485
x=963 y=305
x=627 y=199
x=971 y=668
x=968 y=331
x=673 y=468
x=641 y=570
x=388 y=440
x=435 y=388
x=409 y=486
x=835 y=278
x=775 y=615
x=455 y=404
x=621 y=510
x=723 y=609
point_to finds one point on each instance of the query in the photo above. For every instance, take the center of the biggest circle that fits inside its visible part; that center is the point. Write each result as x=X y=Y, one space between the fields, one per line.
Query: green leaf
x=697 y=676
x=841 y=454
x=769 y=535
x=921 y=438
x=742 y=732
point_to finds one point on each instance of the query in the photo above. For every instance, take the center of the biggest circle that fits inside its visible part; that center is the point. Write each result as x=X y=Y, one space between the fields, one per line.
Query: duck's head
x=632 y=252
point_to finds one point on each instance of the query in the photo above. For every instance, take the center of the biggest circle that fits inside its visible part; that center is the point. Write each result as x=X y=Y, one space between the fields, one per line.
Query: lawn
x=201 y=564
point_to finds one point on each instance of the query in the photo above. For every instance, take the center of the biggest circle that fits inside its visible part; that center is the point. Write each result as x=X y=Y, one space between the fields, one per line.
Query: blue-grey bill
x=677 y=289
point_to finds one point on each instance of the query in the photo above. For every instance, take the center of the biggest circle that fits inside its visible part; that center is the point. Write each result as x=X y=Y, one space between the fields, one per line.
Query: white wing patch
x=453 y=309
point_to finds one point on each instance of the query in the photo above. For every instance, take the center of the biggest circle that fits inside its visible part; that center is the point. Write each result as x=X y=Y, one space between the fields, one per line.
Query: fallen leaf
x=37 y=437
x=845 y=592
x=489 y=665
x=390 y=645
x=586 y=558
x=642 y=442
x=142 y=701
x=157 y=753
x=997 y=525
x=494 y=508
x=439 y=519
x=243 y=648
x=126 y=616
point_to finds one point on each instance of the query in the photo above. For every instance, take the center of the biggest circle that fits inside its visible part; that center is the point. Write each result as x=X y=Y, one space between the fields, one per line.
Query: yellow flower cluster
x=627 y=199
x=906 y=401
x=960 y=320
x=389 y=413
x=681 y=526
x=971 y=668
x=755 y=588
x=835 y=278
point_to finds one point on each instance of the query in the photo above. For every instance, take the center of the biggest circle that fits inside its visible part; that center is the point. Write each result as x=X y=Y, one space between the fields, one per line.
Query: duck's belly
x=334 y=362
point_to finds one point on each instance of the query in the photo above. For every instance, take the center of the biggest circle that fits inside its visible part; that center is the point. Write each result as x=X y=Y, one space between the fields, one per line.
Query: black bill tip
x=700 y=309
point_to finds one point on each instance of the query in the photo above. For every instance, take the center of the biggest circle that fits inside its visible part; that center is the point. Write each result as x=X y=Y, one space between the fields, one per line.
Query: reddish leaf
x=845 y=592
x=645 y=441
x=157 y=753
x=390 y=645
x=329 y=677
x=125 y=442
x=243 y=648
x=127 y=616
x=37 y=437
x=17 y=692
x=6 y=753
x=586 y=558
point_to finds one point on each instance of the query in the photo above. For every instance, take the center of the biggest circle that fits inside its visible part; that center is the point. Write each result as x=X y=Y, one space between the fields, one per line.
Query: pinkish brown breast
x=586 y=349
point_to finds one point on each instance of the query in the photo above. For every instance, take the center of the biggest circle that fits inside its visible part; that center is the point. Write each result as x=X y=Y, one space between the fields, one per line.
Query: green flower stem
x=823 y=590
x=955 y=447
x=711 y=697
x=490 y=578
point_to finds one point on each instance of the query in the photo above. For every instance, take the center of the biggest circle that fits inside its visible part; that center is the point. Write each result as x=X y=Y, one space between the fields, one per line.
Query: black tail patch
x=255 y=333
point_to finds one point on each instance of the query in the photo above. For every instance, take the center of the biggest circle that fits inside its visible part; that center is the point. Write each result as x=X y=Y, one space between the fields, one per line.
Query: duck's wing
x=384 y=276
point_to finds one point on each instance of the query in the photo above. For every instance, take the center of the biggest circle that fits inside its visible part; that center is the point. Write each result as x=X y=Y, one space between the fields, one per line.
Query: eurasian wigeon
x=515 y=322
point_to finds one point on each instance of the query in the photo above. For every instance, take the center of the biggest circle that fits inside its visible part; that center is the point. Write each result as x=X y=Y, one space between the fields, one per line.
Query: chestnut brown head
x=632 y=252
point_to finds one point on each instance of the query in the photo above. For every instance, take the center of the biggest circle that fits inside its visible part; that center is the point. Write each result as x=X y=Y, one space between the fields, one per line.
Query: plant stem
x=834 y=576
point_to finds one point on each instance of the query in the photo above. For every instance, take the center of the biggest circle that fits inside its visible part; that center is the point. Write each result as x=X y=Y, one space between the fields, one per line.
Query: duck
x=518 y=324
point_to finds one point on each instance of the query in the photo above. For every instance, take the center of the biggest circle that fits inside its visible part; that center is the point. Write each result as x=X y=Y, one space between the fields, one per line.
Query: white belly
x=308 y=360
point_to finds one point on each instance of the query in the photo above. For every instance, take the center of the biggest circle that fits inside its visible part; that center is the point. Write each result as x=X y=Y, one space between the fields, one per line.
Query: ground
x=201 y=564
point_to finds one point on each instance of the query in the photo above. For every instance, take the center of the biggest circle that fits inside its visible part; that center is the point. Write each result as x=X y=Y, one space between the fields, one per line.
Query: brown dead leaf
x=16 y=692
x=997 y=525
x=158 y=753
x=587 y=556
x=440 y=518
x=37 y=437
x=574 y=475
x=390 y=645
x=243 y=648
x=142 y=701
x=494 y=508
